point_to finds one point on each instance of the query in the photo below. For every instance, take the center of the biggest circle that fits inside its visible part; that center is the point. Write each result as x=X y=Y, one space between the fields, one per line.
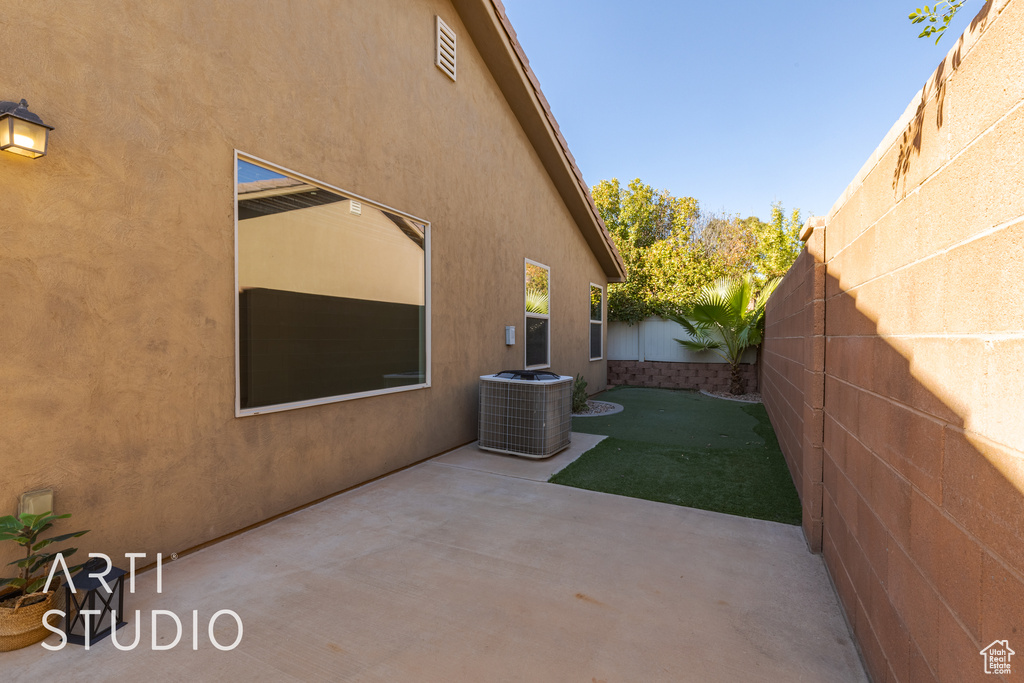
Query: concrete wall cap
x=812 y=223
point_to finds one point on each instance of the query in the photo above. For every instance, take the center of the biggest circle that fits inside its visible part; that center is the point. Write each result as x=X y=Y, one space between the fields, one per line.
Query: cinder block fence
x=678 y=375
x=648 y=355
x=892 y=372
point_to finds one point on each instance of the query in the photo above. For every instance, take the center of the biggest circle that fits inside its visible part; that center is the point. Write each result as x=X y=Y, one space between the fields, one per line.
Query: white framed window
x=332 y=293
x=596 y=322
x=538 y=315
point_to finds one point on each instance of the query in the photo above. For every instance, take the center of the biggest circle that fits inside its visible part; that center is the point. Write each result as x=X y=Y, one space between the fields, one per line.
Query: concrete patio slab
x=444 y=573
x=473 y=457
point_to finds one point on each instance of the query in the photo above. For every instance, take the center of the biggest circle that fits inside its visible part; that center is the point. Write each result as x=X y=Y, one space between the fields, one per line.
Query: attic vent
x=355 y=208
x=445 y=49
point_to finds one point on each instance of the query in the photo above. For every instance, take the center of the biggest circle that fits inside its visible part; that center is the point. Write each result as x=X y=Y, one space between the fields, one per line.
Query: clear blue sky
x=738 y=104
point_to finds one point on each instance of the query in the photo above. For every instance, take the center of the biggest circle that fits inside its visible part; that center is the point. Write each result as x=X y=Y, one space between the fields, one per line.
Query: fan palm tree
x=727 y=319
x=536 y=300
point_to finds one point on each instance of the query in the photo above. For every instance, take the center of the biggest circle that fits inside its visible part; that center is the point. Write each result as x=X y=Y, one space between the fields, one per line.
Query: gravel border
x=600 y=409
x=742 y=398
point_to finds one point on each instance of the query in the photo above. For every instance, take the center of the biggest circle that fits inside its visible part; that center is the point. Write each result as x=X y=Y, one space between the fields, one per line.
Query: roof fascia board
x=494 y=38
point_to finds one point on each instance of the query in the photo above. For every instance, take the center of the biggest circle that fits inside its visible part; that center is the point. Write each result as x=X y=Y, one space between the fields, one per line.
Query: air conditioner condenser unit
x=525 y=412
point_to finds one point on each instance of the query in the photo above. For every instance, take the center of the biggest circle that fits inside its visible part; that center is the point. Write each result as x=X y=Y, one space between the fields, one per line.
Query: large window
x=538 y=315
x=333 y=297
x=596 y=322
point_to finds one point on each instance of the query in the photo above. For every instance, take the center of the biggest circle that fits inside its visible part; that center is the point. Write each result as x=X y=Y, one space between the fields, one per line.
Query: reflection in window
x=596 y=322
x=331 y=293
x=538 y=306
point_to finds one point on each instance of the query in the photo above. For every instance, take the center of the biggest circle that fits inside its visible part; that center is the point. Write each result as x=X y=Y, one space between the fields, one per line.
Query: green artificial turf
x=684 y=448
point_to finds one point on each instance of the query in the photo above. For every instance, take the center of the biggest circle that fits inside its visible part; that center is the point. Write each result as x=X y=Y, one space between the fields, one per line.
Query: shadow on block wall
x=911 y=141
x=922 y=519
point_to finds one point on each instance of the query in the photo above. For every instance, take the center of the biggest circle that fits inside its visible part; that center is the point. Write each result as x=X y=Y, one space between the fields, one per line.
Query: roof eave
x=495 y=39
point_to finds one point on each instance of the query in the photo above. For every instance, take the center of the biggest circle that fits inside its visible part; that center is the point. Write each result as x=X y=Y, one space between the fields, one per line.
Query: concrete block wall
x=667 y=375
x=922 y=477
x=792 y=374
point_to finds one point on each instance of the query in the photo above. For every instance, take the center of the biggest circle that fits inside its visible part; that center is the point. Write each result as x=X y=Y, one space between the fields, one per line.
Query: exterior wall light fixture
x=21 y=131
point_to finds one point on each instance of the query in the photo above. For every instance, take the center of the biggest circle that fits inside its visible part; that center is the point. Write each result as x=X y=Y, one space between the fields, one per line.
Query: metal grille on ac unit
x=525 y=413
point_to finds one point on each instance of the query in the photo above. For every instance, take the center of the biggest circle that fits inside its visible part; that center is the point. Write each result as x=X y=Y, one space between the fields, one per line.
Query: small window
x=538 y=315
x=333 y=298
x=596 y=322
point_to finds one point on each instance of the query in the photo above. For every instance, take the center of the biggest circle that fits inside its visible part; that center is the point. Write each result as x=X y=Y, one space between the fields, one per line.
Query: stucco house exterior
x=270 y=250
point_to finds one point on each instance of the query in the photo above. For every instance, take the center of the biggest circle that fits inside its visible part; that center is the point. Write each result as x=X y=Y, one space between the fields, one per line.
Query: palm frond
x=766 y=293
x=710 y=309
x=685 y=323
x=726 y=318
x=754 y=335
x=738 y=294
x=700 y=344
x=536 y=301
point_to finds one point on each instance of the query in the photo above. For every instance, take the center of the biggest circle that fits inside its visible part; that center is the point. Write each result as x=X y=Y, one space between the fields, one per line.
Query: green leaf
x=705 y=344
x=28 y=520
x=50 y=519
x=45 y=558
x=536 y=301
x=57 y=539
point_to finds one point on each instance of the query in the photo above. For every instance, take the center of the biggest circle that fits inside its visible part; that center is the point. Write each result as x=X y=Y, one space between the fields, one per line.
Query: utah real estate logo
x=997 y=657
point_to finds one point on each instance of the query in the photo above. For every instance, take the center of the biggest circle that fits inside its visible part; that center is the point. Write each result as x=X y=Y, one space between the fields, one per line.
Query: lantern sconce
x=21 y=131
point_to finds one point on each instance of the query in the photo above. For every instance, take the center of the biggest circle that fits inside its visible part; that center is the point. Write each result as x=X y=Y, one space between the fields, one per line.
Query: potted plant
x=22 y=601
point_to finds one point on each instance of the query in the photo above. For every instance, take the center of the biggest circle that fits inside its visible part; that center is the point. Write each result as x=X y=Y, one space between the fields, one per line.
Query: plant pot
x=23 y=626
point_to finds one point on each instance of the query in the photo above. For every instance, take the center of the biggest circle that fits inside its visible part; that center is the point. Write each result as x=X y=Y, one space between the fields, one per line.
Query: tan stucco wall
x=117 y=267
x=923 y=434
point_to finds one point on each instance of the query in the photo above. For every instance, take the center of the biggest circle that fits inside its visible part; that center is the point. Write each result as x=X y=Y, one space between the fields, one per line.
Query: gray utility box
x=525 y=412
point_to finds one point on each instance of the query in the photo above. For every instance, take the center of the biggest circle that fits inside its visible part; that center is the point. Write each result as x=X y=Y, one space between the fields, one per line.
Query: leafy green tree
x=640 y=215
x=776 y=244
x=750 y=245
x=729 y=240
x=677 y=270
x=651 y=229
x=727 y=319
x=672 y=249
x=936 y=17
